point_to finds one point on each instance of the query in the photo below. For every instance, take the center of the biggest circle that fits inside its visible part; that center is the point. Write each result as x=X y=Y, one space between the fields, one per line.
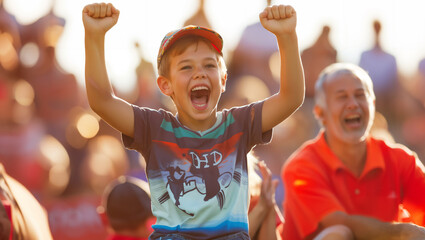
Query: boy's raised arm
x=281 y=21
x=98 y=19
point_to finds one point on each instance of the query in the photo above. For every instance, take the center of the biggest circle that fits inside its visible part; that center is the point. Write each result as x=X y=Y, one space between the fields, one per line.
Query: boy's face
x=195 y=83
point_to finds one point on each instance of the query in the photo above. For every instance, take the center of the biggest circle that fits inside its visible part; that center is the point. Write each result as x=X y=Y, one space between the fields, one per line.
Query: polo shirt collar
x=374 y=158
x=328 y=157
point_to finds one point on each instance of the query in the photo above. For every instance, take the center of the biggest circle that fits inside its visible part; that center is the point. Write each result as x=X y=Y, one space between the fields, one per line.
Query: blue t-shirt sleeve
x=143 y=119
x=251 y=117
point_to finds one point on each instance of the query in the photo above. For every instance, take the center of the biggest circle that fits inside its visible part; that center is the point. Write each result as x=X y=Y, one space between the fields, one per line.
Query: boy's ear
x=164 y=85
x=223 y=82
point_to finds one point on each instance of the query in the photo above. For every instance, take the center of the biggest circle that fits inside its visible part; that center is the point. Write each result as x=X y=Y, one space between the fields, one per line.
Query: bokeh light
x=29 y=54
x=24 y=93
x=252 y=89
x=8 y=54
x=57 y=163
x=87 y=125
x=106 y=160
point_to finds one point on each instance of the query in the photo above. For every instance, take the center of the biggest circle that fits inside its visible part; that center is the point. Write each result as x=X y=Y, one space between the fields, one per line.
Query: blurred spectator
x=253 y=57
x=418 y=86
x=413 y=126
x=126 y=209
x=264 y=214
x=26 y=218
x=315 y=58
x=379 y=129
x=413 y=132
x=10 y=41
x=146 y=91
x=31 y=156
x=199 y=18
x=105 y=161
x=382 y=68
x=74 y=216
x=421 y=71
x=56 y=92
x=20 y=133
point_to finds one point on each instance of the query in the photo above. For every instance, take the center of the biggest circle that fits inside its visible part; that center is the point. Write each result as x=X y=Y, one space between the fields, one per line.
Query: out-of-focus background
x=147 y=22
x=64 y=154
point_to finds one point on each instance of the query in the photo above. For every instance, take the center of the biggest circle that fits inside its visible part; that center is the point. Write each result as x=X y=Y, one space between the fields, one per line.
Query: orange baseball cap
x=171 y=37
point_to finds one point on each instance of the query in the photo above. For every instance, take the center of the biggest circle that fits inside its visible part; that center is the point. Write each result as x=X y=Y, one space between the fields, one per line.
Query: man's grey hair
x=336 y=69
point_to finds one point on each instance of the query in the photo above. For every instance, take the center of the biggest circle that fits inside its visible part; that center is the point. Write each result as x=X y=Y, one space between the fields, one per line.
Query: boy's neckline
x=202 y=133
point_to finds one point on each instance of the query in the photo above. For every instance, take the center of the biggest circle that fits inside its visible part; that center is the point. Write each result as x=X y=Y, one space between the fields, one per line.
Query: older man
x=346 y=184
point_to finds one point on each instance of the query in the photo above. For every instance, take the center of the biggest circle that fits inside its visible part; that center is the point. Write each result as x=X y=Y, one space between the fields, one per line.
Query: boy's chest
x=197 y=155
x=199 y=175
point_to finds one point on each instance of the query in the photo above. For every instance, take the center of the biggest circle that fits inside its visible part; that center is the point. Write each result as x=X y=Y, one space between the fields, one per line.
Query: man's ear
x=164 y=85
x=223 y=82
x=318 y=113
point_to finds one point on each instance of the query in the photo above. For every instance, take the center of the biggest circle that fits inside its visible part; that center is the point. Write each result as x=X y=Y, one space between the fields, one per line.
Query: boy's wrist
x=287 y=36
x=95 y=34
x=94 y=37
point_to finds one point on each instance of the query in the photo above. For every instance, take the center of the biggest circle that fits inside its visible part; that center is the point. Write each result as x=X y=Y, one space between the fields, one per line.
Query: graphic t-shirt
x=198 y=182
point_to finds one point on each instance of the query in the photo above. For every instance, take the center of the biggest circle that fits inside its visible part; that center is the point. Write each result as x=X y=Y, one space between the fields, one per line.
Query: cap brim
x=213 y=37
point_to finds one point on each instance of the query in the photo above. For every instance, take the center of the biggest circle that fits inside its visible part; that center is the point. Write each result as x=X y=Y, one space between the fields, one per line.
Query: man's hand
x=364 y=227
x=412 y=232
x=279 y=20
x=98 y=18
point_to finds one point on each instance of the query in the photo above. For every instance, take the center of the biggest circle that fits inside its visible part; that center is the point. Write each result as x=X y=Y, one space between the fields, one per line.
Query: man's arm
x=369 y=228
x=98 y=19
x=281 y=21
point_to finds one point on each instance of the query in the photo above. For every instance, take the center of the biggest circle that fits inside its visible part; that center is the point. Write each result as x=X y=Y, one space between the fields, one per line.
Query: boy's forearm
x=97 y=82
x=291 y=71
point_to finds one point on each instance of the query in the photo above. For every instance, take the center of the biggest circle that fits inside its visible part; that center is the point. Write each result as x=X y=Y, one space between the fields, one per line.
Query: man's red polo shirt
x=318 y=183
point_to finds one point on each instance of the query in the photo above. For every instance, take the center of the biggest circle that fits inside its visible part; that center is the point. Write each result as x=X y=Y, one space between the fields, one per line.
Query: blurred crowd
x=55 y=146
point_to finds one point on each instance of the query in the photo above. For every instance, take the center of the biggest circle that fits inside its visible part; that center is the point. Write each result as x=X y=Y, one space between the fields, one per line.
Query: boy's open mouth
x=199 y=97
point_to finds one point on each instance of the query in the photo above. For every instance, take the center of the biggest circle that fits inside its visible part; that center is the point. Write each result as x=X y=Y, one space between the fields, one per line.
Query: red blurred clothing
x=75 y=217
x=317 y=183
x=119 y=237
x=8 y=208
x=20 y=154
x=116 y=236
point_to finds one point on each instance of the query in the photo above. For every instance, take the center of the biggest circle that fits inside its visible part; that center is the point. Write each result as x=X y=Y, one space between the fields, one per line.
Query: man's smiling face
x=349 y=108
